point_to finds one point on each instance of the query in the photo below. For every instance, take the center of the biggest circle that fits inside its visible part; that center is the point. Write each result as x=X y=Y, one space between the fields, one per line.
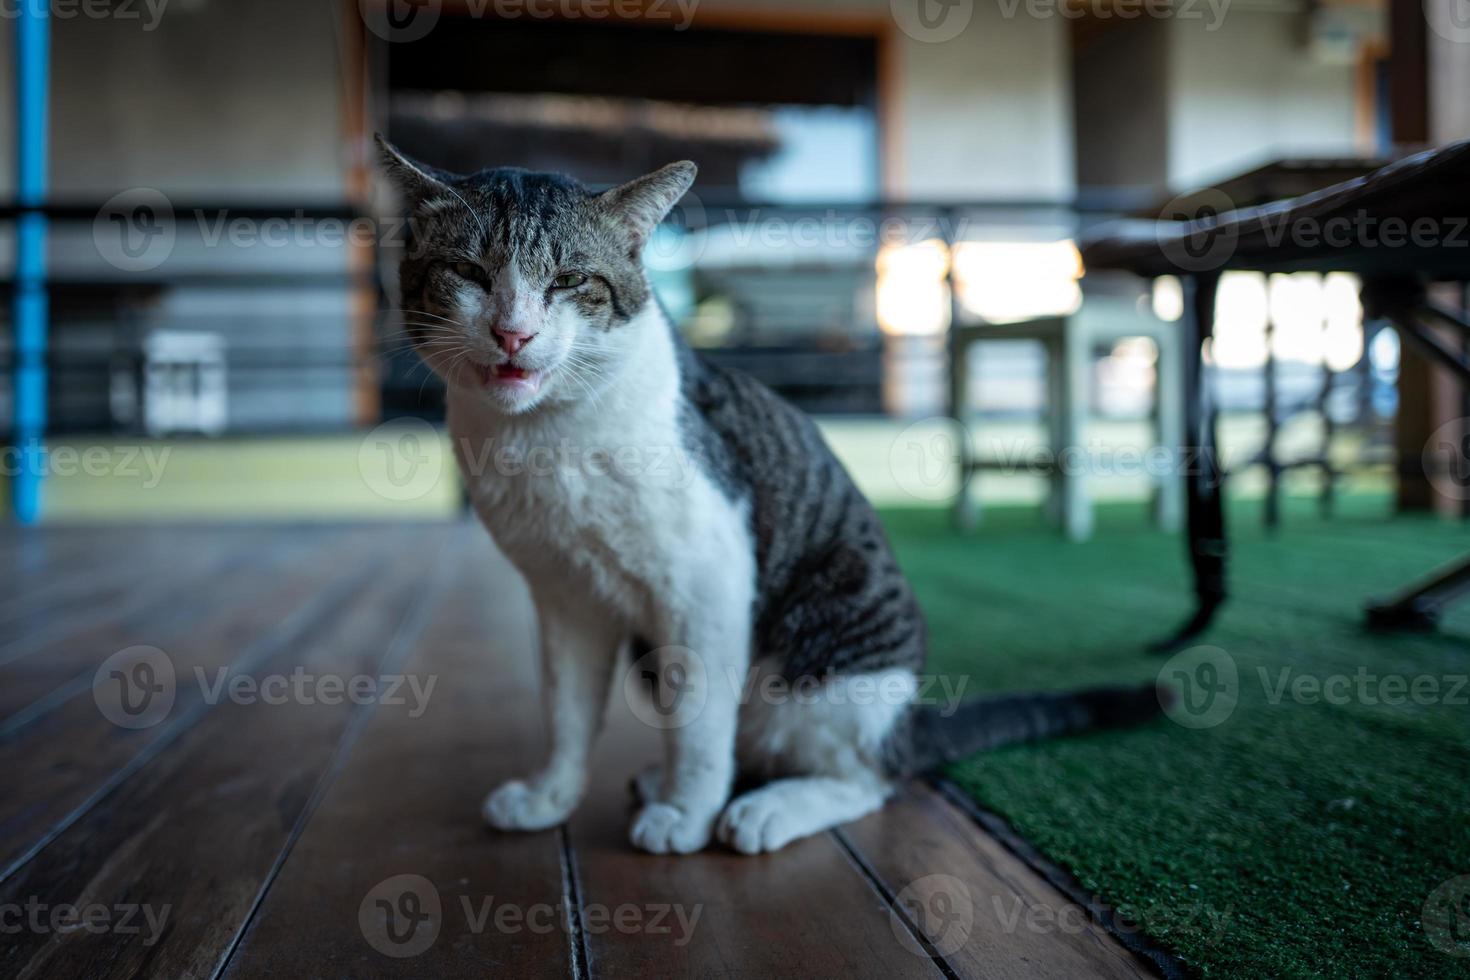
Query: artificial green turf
x=1293 y=839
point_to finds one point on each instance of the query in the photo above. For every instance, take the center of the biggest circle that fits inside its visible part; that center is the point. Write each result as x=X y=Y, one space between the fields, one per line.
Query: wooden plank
x=34 y=560
x=74 y=755
x=247 y=772
x=981 y=908
x=61 y=665
x=407 y=804
x=805 y=910
x=75 y=584
x=29 y=555
x=152 y=574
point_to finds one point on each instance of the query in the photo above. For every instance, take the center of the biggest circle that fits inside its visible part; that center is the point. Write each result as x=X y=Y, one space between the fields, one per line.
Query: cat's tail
x=944 y=733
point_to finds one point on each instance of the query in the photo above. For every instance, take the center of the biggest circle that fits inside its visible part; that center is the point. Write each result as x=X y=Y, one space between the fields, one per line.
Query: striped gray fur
x=831 y=598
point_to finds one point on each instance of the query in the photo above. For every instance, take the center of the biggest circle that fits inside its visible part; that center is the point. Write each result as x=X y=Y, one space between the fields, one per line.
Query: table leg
x=1200 y=465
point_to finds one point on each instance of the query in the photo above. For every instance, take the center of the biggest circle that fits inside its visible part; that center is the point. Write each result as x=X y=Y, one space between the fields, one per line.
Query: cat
x=752 y=568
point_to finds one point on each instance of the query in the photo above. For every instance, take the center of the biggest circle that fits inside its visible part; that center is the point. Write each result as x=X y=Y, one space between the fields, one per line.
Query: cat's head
x=523 y=287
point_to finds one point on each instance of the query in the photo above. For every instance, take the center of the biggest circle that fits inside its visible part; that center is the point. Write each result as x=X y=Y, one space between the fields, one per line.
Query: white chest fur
x=601 y=496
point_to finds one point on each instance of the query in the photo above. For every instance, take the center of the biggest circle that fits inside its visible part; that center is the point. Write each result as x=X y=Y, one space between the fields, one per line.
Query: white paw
x=648 y=785
x=661 y=828
x=518 y=806
x=756 y=823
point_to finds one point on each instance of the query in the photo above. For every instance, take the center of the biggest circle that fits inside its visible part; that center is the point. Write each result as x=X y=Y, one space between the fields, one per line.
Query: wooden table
x=1369 y=225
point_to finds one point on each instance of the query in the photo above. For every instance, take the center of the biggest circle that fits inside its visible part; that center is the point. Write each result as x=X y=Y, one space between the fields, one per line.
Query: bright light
x=1241 y=310
x=1385 y=351
x=1343 y=341
x=1003 y=282
x=913 y=299
x=1168 y=298
x=1314 y=319
x=1137 y=350
x=1297 y=313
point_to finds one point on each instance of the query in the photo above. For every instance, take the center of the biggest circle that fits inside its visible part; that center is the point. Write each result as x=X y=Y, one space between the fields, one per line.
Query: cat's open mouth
x=507 y=376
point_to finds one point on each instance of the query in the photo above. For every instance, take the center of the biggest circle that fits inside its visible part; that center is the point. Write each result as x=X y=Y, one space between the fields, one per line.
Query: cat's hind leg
x=780 y=812
x=822 y=746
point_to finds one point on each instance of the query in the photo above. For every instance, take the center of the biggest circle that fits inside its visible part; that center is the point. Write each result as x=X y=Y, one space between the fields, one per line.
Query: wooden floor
x=291 y=830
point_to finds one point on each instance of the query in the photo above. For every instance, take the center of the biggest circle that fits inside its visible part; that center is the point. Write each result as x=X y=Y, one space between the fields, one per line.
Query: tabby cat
x=684 y=514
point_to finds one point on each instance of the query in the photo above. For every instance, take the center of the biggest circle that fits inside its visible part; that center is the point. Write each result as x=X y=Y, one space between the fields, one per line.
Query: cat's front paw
x=662 y=828
x=525 y=806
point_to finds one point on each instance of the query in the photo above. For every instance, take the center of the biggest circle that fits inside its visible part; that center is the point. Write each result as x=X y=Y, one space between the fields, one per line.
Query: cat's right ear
x=414 y=180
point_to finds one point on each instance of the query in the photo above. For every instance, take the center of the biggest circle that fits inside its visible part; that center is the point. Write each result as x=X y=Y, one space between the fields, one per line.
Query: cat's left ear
x=641 y=204
x=414 y=180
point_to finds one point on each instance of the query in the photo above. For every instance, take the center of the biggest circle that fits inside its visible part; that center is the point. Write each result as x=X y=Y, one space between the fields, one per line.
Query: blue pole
x=33 y=53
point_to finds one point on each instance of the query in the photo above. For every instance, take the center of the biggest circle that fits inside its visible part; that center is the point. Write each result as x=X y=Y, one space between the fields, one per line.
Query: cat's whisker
x=591 y=395
x=422 y=313
x=406 y=334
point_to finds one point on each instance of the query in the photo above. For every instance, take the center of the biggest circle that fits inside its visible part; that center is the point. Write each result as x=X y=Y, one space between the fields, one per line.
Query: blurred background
x=219 y=253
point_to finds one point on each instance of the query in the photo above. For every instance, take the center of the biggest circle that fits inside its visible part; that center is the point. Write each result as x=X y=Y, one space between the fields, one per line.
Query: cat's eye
x=568 y=280
x=468 y=270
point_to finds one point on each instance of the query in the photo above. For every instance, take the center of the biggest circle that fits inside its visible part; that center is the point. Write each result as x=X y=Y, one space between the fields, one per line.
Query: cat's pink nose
x=511 y=341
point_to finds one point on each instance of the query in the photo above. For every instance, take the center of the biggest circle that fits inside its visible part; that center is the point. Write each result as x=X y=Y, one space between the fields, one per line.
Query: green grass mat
x=1291 y=839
